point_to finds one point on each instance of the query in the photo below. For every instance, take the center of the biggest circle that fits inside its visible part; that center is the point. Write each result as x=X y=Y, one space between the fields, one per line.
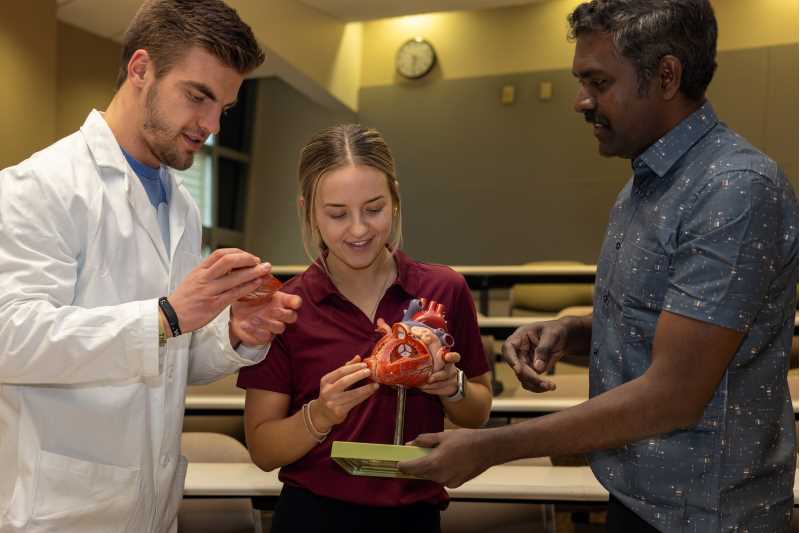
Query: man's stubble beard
x=163 y=139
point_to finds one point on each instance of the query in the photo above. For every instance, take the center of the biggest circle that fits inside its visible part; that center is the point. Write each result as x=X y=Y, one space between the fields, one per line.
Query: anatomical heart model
x=412 y=349
x=407 y=354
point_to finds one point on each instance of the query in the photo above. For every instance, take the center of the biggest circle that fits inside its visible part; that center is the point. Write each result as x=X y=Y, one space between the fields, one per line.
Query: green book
x=376 y=460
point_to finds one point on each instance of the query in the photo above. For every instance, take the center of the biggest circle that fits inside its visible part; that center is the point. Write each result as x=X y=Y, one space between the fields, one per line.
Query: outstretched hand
x=534 y=349
x=457 y=456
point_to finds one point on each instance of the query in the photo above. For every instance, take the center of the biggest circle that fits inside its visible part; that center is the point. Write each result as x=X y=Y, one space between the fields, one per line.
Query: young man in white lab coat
x=94 y=231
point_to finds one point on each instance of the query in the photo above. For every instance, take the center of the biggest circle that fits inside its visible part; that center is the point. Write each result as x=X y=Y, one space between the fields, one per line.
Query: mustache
x=592 y=117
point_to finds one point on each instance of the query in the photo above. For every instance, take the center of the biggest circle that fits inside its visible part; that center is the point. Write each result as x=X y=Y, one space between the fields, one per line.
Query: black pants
x=300 y=510
x=623 y=520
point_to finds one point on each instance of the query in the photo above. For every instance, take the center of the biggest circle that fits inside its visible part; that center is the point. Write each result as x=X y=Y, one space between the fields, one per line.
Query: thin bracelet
x=319 y=436
x=162 y=331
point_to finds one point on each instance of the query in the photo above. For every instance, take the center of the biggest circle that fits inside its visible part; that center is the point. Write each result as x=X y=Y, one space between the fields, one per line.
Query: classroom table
x=506 y=483
x=501 y=483
x=223 y=397
x=501 y=327
x=571 y=390
x=516 y=402
x=485 y=277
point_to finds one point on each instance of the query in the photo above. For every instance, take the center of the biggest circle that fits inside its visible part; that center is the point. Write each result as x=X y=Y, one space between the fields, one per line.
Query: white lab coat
x=91 y=408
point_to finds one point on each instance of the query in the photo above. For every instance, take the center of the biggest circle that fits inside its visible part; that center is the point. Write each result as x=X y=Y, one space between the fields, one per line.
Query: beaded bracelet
x=319 y=436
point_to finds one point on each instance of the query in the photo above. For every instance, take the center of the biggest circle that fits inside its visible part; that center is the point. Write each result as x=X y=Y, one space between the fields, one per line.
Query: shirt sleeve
x=463 y=326
x=253 y=353
x=44 y=337
x=274 y=373
x=727 y=252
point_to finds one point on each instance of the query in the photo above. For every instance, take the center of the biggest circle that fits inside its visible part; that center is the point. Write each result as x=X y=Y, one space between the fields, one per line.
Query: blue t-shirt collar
x=153 y=179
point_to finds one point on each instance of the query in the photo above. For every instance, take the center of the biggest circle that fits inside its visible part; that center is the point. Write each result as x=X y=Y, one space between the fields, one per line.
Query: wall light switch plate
x=545 y=90
x=507 y=95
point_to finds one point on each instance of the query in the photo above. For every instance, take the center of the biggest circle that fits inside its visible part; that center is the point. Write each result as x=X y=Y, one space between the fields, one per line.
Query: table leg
x=484 y=296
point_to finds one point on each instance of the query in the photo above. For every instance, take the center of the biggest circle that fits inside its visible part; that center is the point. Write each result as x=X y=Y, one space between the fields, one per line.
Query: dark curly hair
x=644 y=31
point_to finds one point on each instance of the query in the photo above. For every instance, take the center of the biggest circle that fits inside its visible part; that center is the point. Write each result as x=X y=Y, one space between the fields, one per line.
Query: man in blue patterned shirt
x=690 y=423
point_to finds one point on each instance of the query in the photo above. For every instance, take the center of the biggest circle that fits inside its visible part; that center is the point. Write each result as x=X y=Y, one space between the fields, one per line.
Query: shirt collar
x=143 y=171
x=320 y=286
x=660 y=157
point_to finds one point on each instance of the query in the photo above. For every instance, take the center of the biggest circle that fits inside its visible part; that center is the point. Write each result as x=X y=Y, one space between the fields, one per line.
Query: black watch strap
x=171 y=315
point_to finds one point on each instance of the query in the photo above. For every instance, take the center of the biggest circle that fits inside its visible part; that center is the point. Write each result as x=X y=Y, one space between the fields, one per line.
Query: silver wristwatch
x=459 y=394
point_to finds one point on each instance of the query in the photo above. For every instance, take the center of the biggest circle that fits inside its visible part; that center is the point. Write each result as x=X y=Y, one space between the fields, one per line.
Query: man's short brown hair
x=167 y=29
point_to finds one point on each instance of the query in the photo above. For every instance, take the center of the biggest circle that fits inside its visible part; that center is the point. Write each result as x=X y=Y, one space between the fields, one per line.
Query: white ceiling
x=352 y=10
x=98 y=17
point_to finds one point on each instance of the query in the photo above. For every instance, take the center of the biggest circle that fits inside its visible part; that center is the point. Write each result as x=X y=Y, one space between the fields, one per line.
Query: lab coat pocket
x=73 y=494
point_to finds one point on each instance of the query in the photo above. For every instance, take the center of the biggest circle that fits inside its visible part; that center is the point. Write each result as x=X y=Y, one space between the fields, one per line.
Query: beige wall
x=755 y=23
x=28 y=90
x=473 y=43
x=485 y=183
x=55 y=75
x=533 y=37
x=524 y=181
x=285 y=121
x=87 y=69
x=345 y=78
x=324 y=48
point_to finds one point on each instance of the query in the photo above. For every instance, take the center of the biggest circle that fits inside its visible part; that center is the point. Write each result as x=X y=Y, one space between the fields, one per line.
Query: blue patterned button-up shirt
x=706 y=228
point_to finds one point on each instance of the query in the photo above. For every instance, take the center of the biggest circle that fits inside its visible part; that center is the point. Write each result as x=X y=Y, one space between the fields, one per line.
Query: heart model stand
x=400 y=415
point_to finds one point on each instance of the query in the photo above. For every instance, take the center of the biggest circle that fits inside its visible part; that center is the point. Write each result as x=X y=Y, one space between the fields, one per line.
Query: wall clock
x=415 y=58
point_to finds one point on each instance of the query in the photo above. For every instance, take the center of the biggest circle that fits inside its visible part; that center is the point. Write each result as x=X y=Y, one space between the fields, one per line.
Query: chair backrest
x=549 y=298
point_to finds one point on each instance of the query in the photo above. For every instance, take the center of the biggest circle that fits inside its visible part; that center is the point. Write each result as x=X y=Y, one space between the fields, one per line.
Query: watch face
x=415 y=58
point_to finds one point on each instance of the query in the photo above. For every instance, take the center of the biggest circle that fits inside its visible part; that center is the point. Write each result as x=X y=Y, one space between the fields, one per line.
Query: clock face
x=415 y=58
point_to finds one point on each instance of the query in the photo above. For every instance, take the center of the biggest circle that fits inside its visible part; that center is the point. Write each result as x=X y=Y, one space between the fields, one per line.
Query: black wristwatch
x=461 y=391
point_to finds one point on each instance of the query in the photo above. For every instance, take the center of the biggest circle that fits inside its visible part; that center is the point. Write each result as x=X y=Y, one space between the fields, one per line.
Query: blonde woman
x=311 y=390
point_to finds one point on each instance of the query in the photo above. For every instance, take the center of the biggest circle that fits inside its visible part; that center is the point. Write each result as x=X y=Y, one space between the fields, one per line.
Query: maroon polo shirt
x=329 y=331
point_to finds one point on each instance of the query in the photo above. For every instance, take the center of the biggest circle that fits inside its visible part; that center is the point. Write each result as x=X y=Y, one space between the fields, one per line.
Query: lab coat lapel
x=108 y=157
x=179 y=206
x=145 y=213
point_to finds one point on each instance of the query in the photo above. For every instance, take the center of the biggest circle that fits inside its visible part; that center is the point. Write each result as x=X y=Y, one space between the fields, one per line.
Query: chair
x=227 y=423
x=491 y=357
x=538 y=299
x=217 y=515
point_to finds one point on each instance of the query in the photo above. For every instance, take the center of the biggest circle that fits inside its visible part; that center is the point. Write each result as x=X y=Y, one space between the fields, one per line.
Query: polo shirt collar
x=320 y=286
x=662 y=155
